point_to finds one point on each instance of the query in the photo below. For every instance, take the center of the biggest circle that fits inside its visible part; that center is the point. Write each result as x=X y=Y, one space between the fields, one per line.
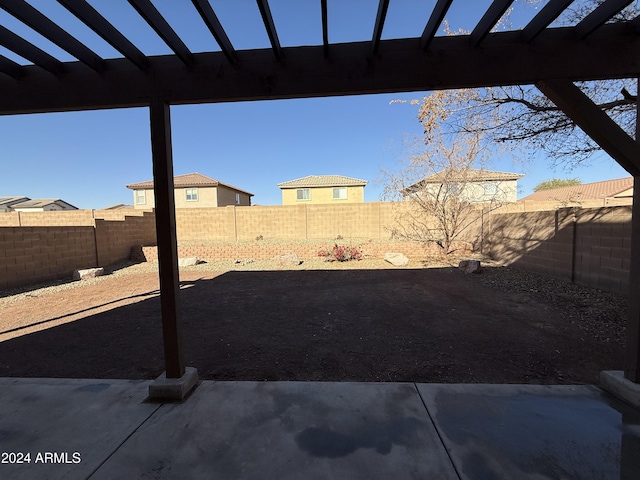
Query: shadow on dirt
x=422 y=325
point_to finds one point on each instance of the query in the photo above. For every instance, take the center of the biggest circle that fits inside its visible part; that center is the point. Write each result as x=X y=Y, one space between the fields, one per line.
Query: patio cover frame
x=551 y=58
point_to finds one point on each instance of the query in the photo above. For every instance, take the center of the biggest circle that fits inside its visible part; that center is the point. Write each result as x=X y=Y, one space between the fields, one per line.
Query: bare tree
x=522 y=116
x=442 y=191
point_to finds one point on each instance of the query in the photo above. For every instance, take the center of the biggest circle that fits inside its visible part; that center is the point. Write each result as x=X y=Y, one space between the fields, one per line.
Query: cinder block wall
x=36 y=254
x=114 y=238
x=589 y=246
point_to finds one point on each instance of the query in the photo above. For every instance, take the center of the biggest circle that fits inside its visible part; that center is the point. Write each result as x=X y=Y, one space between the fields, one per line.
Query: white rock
x=188 y=261
x=289 y=259
x=83 y=273
x=397 y=259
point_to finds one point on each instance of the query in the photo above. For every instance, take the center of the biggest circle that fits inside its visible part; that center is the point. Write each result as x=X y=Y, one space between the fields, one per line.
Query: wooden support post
x=166 y=237
x=632 y=361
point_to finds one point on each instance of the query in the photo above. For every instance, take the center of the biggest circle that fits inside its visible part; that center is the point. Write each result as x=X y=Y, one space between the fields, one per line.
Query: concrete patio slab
x=286 y=430
x=67 y=427
x=535 y=432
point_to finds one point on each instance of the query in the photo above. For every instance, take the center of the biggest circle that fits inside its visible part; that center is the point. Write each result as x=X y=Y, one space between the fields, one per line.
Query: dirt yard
x=371 y=323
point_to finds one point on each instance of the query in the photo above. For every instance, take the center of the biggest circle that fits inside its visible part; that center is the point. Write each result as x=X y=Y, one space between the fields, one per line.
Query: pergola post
x=632 y=363
x=176 y=382
x=165 y=216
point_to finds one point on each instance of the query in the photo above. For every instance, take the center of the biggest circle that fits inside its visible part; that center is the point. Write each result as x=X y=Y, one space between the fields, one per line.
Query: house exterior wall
x=504 y=191
x=323 y=195
x=227 y=196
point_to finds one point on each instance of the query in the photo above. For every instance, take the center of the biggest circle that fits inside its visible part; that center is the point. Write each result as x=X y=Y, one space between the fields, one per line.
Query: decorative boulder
x=470 y=266
x=397 y=259
x=288 y=259
x=188 y=261
x=84 y=273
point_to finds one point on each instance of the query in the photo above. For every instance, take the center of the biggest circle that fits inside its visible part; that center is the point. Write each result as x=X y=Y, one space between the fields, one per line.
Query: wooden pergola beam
x=491 y=17
x=215 y=27
x=269 y=25
x=435 y=20
x=595 y=123
x=379 y=25
x=27 y=50
x=544 y=18
x=450 y=62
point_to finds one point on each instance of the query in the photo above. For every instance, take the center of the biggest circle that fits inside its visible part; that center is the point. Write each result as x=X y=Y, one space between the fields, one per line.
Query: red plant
x=341 y=253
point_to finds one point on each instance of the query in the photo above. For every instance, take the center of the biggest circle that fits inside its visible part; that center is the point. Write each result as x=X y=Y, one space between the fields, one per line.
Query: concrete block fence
x=586 y=245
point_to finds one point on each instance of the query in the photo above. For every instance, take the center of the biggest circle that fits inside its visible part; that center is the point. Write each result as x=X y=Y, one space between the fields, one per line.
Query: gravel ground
x=601 y=314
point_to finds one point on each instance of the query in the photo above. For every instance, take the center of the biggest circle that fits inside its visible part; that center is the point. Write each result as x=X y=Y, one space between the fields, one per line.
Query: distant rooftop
x=323 y=181
x=189 y=180
x=588 y=191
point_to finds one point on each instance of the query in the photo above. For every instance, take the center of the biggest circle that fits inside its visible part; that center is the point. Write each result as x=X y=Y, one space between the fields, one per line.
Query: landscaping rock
x=397 y=259
x=188 y=261
x=470 y=266
x=288 y=259
x=84 y=273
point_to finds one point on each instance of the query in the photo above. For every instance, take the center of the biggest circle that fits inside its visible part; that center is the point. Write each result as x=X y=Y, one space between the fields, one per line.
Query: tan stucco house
x=470 y=185
x=193 y=190
x=316 y=189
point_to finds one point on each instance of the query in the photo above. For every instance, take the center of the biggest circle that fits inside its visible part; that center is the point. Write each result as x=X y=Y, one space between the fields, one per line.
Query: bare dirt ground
x=357 y=321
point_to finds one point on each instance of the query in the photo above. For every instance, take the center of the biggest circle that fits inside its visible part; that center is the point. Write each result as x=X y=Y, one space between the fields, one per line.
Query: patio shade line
x=100 y=25
x=599 y=16
x=27 y=50
x=48 y=29
x=156 y=21
x=544 y=18
x=270 y=26
x=491 y=17
x=215 y=27
x=379 y=25
x=435 y=20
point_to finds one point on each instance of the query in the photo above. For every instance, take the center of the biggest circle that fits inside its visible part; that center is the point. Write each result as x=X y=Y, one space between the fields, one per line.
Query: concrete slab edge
x=173 y=389
x=614 y=382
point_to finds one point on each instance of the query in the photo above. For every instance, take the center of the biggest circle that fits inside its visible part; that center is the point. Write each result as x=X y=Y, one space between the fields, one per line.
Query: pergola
x=552 y=58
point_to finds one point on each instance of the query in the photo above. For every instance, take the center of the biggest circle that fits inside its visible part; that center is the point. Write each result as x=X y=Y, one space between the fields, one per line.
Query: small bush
x=341 y=253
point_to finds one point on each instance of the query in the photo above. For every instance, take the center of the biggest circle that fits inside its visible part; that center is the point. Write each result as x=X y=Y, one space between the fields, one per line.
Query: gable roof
x=323 y=181
x=9 y=201
x=587 y=191
x=470 y=175
x=41 y=203
x=189 y=180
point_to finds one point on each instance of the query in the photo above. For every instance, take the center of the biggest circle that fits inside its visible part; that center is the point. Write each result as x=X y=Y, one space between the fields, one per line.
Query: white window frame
x=237 y=199
x=191 y=192
x=491 y=188
x=341 y=191
x=141 y=197
x=303 y=194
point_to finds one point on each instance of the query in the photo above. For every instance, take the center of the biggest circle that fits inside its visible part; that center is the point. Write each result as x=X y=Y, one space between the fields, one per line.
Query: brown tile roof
x=189 y=180
x=587 y=191
x=323 y=181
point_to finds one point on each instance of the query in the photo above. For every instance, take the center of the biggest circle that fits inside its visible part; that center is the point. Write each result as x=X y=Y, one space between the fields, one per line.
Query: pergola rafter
x=550 y=57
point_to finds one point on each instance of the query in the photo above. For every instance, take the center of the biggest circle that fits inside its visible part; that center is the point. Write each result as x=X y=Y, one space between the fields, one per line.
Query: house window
x=340 y=193
x=490 y=188
x=192 y=194
x=303 y=194
x=237 y=199
x=141 y=197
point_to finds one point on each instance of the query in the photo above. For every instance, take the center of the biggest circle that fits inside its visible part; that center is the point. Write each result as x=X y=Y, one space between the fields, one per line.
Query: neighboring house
x=620 y=188
x=193 y=190
x=471 y=185
x=42 y=205
x=119 y=206
x=316 y=189
x=6 y=203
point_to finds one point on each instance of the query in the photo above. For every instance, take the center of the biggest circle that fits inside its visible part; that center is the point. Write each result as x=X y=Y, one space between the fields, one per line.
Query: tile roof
x=323 y=181
x=471 y=175
x=40 y=203
x=12 y=200
x=587 y=191
x=189 y=180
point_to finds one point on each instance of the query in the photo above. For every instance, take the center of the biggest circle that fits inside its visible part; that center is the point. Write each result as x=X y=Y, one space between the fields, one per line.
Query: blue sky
x=87 y=158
